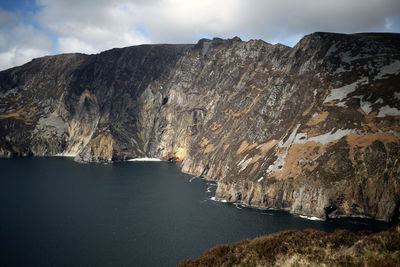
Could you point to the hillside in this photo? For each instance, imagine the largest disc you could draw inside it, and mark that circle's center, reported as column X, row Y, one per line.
column 312, row 129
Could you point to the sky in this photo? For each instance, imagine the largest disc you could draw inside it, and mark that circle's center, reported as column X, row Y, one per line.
column 35, row 28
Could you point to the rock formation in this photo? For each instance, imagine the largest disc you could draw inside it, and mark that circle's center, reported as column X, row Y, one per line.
column 312, row 129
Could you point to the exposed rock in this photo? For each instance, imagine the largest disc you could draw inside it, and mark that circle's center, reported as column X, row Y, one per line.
column 312, row 129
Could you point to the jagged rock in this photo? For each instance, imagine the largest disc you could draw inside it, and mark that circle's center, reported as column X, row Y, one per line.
column 312, row 129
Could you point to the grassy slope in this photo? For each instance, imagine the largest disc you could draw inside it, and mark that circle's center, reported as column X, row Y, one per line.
column 308, row 248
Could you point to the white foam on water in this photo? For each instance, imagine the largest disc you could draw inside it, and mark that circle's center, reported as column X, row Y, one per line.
column 222, row 200
column 238, row 206
column 144, row 159
column 194, row 177
column 65, row 155
column 311, row 218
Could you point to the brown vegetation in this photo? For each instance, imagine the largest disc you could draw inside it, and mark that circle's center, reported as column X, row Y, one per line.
column 308, row 248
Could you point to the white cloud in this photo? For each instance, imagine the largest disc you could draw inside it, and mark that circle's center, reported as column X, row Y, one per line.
column 7, row 18
column 16, row 56
column 71, row 44
column 19, row 42
column 184, row 21
column 91, row 26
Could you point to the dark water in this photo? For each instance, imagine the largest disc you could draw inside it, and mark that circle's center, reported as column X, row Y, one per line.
column 54, row 211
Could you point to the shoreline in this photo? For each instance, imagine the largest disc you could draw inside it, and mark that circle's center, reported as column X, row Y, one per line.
column 146, row 159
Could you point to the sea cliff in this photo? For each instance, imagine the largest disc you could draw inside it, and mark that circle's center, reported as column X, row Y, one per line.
column 312, row 129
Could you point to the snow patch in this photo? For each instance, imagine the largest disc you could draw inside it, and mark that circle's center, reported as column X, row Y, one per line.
column 393, row 68
column 348, row 58
column 342, row 92
column 341, row 104
column 315, row 115
column 332, row 136
column 280, row 161
column 342, row 69
column 388, row 111
column 364, row 105
column 291, row 138
column 396, row 95
column 301, row 138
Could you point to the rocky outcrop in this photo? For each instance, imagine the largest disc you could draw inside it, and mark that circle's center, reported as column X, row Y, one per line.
column 312, row 129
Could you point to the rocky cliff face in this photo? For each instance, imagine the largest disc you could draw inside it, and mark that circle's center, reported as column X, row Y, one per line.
column 312, row 129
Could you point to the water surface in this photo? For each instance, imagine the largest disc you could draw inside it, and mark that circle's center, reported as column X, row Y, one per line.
column 54, row 211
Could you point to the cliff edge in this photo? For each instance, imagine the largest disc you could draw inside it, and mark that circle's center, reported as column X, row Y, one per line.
column 312, row 129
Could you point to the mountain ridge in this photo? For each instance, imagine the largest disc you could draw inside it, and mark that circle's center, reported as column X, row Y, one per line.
column 312, row 129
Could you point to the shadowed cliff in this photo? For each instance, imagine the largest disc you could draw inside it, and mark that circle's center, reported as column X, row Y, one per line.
column 312, row 129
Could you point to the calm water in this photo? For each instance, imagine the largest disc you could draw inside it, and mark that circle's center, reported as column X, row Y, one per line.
column 54, row 211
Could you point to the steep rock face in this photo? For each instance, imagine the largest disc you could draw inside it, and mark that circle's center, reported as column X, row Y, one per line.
column 312, row 129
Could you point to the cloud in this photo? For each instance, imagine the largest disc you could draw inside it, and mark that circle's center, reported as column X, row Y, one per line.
column 19, row 42
column 186, row 21
column 273, row 21
column 103, row 24
column 91, row 26
column 7, row 18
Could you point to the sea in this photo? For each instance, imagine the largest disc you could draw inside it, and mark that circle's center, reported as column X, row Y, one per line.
column 56, row 212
